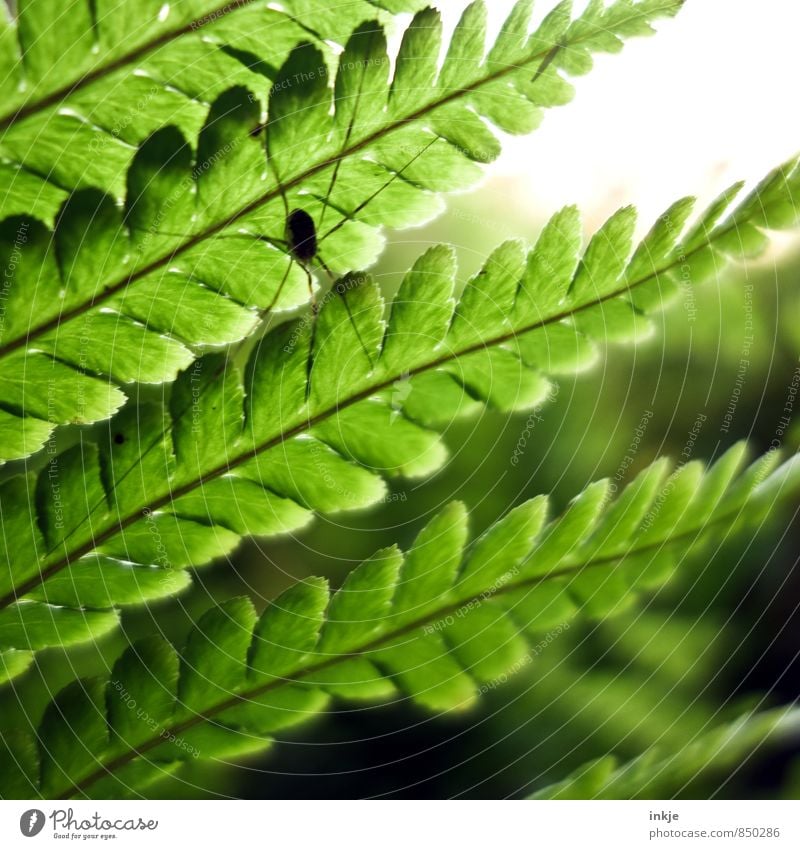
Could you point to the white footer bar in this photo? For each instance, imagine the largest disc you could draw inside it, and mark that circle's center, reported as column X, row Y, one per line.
column 402, row 824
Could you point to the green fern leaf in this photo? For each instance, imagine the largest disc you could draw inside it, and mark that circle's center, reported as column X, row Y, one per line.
column 437, row 625
column 664, row 774
column 14, row 663
column 315, row 424
column 109, row 74
column 108, row 296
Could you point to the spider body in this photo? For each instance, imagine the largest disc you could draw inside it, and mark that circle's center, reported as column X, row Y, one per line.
column 301, row 236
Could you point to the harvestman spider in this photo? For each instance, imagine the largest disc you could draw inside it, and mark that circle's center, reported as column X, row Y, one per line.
column 302, row 240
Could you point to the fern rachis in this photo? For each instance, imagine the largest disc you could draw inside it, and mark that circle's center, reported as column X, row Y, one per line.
column 154, row 245
column 661, row 773
column 105, row 260
column 434, row 624
column 109, row 43
column 171, row 472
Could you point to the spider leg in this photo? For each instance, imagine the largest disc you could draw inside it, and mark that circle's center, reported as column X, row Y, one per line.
column 273, row 168
column 364, row 203
column 347, row 136
column 311, row 295
column 326, row 269
column 313, row 340
column 342, row 291
column 276, row 243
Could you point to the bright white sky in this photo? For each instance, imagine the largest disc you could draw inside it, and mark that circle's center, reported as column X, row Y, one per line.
column 710, row 99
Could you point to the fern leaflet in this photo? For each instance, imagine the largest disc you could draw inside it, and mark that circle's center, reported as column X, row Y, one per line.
column 663, row 774
column 132, row 67
column 304, row 430
column 126, row 294
column 434, row 625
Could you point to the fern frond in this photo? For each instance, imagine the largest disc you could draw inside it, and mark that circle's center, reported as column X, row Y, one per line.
column 435, row 626
column 129, row 294
column 78, row 61
column 665, row 773
column 315, row 422
column 127, row 70
column 648, row 673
